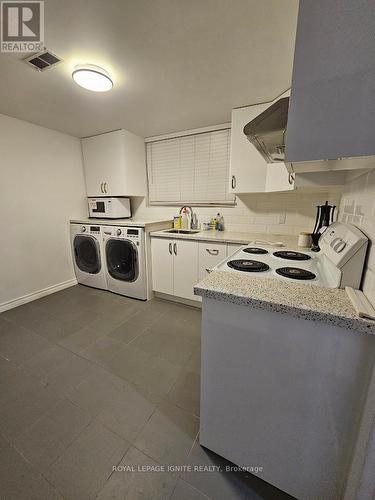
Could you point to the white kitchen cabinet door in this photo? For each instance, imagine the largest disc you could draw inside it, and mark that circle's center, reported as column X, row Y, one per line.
column 185, row 268
column 114, row 164
column 162, row 265
column 248, row 171
column 278, row 178
column 210, row 254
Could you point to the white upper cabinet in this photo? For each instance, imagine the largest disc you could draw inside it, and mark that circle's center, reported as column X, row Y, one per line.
column 249, row 171
column 278, row 178
column 247, row 167
column 114, row 164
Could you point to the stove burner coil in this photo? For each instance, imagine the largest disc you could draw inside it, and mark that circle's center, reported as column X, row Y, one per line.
column 295, row 273
column 289, row 255
column 250, row 266
column 255, row 250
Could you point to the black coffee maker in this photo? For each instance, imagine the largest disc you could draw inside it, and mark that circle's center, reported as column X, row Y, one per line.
column 324, row 217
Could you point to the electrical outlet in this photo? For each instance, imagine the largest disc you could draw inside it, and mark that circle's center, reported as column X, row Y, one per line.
column 282, row 218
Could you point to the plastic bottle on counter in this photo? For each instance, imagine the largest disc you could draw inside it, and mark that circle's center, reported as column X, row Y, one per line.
column 177, row 221
column 206, row 225
column 186, row 219
column 219, row 222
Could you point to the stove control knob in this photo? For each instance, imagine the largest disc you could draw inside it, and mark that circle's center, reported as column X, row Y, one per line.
column 83, row 229
column 338, row 245
column 118, row 232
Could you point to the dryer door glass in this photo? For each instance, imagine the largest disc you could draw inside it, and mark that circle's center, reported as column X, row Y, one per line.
column 122, row 261
column 86, row 253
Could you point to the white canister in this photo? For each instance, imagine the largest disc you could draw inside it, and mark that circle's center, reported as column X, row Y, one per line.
column 304, row 240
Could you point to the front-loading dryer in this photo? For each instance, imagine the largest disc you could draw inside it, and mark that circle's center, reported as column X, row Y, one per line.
column 87, row 250
column 125, row 261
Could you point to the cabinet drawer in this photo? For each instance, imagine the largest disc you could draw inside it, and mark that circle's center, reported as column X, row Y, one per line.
column 210, row 254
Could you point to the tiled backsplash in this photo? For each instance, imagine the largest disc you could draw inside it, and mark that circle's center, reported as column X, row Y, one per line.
column 291, row 213
column 358, row 207
column 277, row 213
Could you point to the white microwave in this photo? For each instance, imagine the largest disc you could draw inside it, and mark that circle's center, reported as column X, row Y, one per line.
column 109, row 208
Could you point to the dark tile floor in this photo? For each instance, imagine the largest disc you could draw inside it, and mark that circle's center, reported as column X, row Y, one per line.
column 90, row 380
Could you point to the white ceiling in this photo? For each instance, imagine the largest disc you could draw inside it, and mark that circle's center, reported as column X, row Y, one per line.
column 176, row 64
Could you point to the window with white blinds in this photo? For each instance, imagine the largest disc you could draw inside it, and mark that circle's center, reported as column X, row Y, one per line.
column 190, row 169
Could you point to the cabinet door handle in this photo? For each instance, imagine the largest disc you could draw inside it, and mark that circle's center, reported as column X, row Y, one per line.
column 175, row 248
column 101, row 187
column 212, row 252
column 170, row 248
column 105, row 187
column 234, row 182
column 291, row 178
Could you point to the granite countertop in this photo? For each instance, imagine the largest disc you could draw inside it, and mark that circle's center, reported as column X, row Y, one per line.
column 230, row 237
column 305, row 301
column 147, row 223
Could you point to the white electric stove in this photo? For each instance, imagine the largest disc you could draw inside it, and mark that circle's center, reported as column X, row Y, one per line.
column 338, row 264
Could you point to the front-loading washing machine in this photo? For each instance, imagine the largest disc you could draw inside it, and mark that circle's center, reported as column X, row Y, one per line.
column 87, row 249
column 125, row 261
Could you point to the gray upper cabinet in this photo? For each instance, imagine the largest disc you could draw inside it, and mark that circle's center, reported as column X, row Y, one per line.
column 332, row 105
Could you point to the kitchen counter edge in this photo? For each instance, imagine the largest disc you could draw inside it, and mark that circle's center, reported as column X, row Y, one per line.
column 327, row 305
column 147, row 224
column 290, row 241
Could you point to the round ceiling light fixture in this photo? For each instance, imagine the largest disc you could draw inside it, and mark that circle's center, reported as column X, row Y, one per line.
column 92, row 77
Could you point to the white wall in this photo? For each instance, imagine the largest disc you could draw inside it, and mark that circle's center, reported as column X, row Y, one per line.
column 358, row 207
column 276, row 213
column 41, row 188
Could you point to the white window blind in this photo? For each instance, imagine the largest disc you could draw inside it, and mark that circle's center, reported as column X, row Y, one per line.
column 190, row 169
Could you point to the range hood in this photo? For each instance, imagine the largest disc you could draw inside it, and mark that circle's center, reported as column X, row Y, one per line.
column 267, row 131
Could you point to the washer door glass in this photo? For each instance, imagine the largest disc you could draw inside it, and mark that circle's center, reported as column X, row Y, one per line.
column 122, row 262
column 87, row 254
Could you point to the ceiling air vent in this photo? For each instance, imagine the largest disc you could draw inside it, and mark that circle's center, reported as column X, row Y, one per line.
column 42, row 60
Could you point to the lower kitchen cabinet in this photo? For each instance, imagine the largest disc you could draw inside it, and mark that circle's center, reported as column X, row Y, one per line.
column 175, row 267
column 178, row 265
column 210, row 254
column 249, row 171
column 162, row 265
column 185, row 268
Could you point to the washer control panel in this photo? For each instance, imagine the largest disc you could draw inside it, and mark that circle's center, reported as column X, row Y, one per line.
column 94, row 230
column 133, row 234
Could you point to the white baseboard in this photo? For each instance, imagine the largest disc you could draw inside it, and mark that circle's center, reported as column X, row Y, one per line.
column 10, row 304
column 180, row 300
